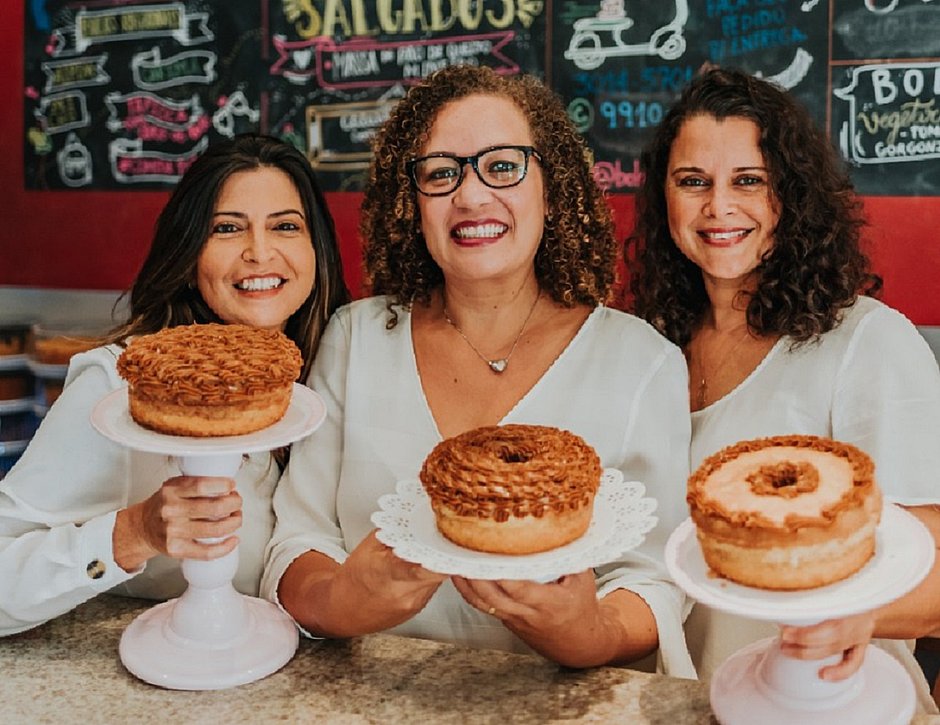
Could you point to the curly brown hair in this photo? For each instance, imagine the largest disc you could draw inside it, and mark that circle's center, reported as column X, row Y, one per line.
column 816, row 267
column 576, row 259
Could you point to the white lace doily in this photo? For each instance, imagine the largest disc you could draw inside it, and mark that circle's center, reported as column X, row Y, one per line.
column 622, row 518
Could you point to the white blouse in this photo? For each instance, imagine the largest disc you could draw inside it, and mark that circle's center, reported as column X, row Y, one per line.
column 873, row 382
column 618, row 384
column 58, row 505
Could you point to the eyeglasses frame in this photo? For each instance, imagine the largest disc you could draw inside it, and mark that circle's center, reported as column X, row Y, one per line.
column 473, row 160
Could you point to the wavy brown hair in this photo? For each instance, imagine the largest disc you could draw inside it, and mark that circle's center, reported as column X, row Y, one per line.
column 576, row 259
column 816, row 267
column 164, row 293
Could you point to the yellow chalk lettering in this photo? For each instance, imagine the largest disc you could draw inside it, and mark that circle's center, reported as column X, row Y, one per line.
column 334, row 12
column 99, row 26
column 389, row 20
column 413, row 13
column 360, row 22
column 506, row 20
column 296, row 11
column 440, row 22
column 471, row 13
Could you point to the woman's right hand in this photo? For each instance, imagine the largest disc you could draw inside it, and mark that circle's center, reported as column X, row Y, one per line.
column 391, row 590
column 370, row 591
column 188, row 517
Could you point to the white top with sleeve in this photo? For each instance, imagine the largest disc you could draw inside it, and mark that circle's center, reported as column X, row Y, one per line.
column 58, row 506
column 873, row 382
column 618, row 384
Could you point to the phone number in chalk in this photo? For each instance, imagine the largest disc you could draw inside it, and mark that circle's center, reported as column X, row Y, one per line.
column 631, row 114
column 651, row 79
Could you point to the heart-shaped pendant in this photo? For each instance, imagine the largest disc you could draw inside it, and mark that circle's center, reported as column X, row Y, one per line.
column 497, row 366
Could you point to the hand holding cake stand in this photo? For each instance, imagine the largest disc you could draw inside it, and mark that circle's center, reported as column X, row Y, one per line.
column 759, row 684
column 211, row 637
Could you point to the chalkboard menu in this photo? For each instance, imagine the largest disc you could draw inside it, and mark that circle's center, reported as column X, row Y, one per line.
column 886, row 94
column 125, row 94
column 620, row 64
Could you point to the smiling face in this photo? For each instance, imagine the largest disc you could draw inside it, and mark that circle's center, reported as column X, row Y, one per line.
column 476, row 232
column 722, row 211
column 257, row 265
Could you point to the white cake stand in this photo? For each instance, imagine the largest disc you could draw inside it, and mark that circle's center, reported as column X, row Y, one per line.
column 211, row 637
column 759, row 684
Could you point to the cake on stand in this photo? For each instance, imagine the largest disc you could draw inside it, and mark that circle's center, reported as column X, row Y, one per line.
column 759, row 684
column 211, row 637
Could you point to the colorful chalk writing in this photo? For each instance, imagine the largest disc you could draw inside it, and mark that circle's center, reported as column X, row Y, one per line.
column 340, row 66
column 624, row 62
column 894, row 114
column 885, row 108
column 126, row 93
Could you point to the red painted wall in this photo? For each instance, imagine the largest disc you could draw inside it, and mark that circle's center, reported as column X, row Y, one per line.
column 97, row 239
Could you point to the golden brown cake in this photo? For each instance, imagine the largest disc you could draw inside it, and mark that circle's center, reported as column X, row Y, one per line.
column 58, row 350
column 209, row 380
column 790, row 512
column 512, row 489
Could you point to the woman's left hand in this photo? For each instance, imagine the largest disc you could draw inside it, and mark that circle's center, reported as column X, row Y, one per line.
column 533, row 607
column 563, row 620
column 848, row 636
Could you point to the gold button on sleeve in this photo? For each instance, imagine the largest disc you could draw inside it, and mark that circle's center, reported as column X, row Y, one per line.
column 95, row 569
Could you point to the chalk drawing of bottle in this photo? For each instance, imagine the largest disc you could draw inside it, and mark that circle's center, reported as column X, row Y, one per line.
column 74, row 162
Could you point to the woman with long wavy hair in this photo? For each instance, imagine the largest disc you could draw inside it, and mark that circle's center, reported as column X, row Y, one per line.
column 245, row 238
column 748, row 255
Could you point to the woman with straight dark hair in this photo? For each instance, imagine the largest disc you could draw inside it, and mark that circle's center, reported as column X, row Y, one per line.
column 245, row 238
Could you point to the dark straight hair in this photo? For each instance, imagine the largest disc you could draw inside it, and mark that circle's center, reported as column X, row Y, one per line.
column 164, row 293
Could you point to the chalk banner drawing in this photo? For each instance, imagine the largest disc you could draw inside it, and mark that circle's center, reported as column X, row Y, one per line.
column 894, row 115
column 127, row 93
column 885, row 94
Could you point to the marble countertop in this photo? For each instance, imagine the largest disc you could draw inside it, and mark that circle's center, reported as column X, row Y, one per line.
column 68, row 671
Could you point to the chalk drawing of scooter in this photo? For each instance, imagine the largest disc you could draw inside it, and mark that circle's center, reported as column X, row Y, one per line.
column 587, row 51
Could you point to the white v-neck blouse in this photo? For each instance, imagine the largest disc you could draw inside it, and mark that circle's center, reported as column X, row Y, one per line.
column 618, row 384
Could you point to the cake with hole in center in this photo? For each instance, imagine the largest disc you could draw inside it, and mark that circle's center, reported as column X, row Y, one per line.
column 788, row 512
column 512, row 489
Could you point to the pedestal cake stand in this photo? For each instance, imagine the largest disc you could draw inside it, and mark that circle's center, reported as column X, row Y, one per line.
column 211, row 637
column 759, row 684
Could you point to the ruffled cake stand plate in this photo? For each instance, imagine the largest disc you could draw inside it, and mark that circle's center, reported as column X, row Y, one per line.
column 759, row 684
column 622, row 517
column 211, row 637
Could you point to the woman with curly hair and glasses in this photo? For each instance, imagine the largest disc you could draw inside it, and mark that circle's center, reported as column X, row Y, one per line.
column 747, row 254
column 491, row 253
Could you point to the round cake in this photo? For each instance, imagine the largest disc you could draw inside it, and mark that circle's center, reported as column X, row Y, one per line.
column 59, row 350
column 209, row 380
column 512, row 489
column 789, row 512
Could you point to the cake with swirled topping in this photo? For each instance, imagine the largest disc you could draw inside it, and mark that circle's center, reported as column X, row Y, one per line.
column 209, row 380
column 512, row 489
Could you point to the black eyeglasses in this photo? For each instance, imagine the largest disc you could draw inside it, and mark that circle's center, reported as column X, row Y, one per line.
column 497, row 166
